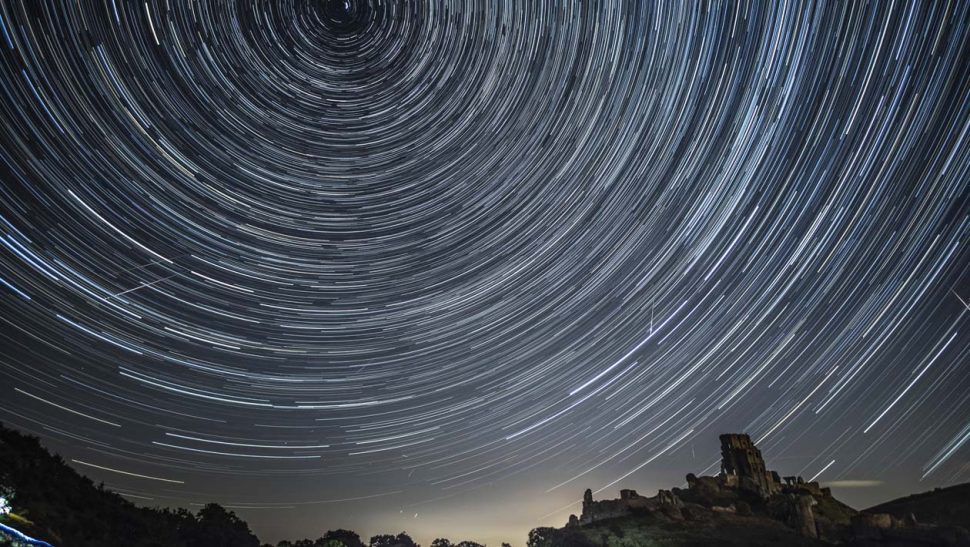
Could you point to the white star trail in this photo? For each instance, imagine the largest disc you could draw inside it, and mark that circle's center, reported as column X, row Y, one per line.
column 430, row 254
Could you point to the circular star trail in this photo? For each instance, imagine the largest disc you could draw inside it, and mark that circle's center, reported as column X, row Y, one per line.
column 317, row 260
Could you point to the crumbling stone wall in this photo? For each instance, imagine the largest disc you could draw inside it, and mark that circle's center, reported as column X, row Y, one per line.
column 627, row 504
column 743, row 465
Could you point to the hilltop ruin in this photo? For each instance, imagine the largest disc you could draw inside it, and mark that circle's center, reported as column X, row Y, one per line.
column 746, row 488
column 743, row 474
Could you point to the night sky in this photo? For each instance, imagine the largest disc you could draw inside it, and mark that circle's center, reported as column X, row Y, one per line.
column 440, row 266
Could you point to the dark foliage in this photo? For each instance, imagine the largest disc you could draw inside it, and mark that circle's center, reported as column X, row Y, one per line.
column 442, row 542
column 554, row 537
column 333, row 538
column 216, row 527
column 68, row 509
column 347, row 537
column 387, row 540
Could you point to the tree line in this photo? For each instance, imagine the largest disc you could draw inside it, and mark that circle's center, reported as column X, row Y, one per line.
column 46, row 499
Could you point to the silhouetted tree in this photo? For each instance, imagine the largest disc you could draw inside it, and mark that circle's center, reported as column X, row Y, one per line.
column 441, row 542
column 469, row 544
column 216, row 527
column 347, row 537
column 382, row 540
column 387, row 540
column 541, row 537
column 552, row 537
column 70, row 509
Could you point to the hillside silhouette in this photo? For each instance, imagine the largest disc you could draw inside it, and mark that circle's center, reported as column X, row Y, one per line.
column 52, row 502
column 746, row 504
column 941, row 506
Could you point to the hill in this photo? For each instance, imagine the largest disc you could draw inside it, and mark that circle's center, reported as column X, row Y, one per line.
column 46, row 499
column 651, row 530
column 943, row 506
column 50, row 501
column 746, row 504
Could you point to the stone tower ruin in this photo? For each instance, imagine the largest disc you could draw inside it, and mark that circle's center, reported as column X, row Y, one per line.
column 742, row 464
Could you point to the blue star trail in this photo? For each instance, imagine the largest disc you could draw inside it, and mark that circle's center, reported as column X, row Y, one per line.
column 439, row 266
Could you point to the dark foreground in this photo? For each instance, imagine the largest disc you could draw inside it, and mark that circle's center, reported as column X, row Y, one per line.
column 45, row 499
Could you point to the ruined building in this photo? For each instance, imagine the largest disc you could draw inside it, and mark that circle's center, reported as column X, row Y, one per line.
column 747, row 489
column 743, row 467
column 629, row 503
column 743, row 471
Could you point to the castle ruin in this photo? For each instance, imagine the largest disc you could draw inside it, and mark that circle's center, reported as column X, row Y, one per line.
column 743, row 467
column 743, row 474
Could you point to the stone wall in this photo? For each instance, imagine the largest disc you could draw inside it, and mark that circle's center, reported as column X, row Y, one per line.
column 742, row 465
column 628, row 503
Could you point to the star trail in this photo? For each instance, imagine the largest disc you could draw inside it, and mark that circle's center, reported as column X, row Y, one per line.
column 439, row 266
